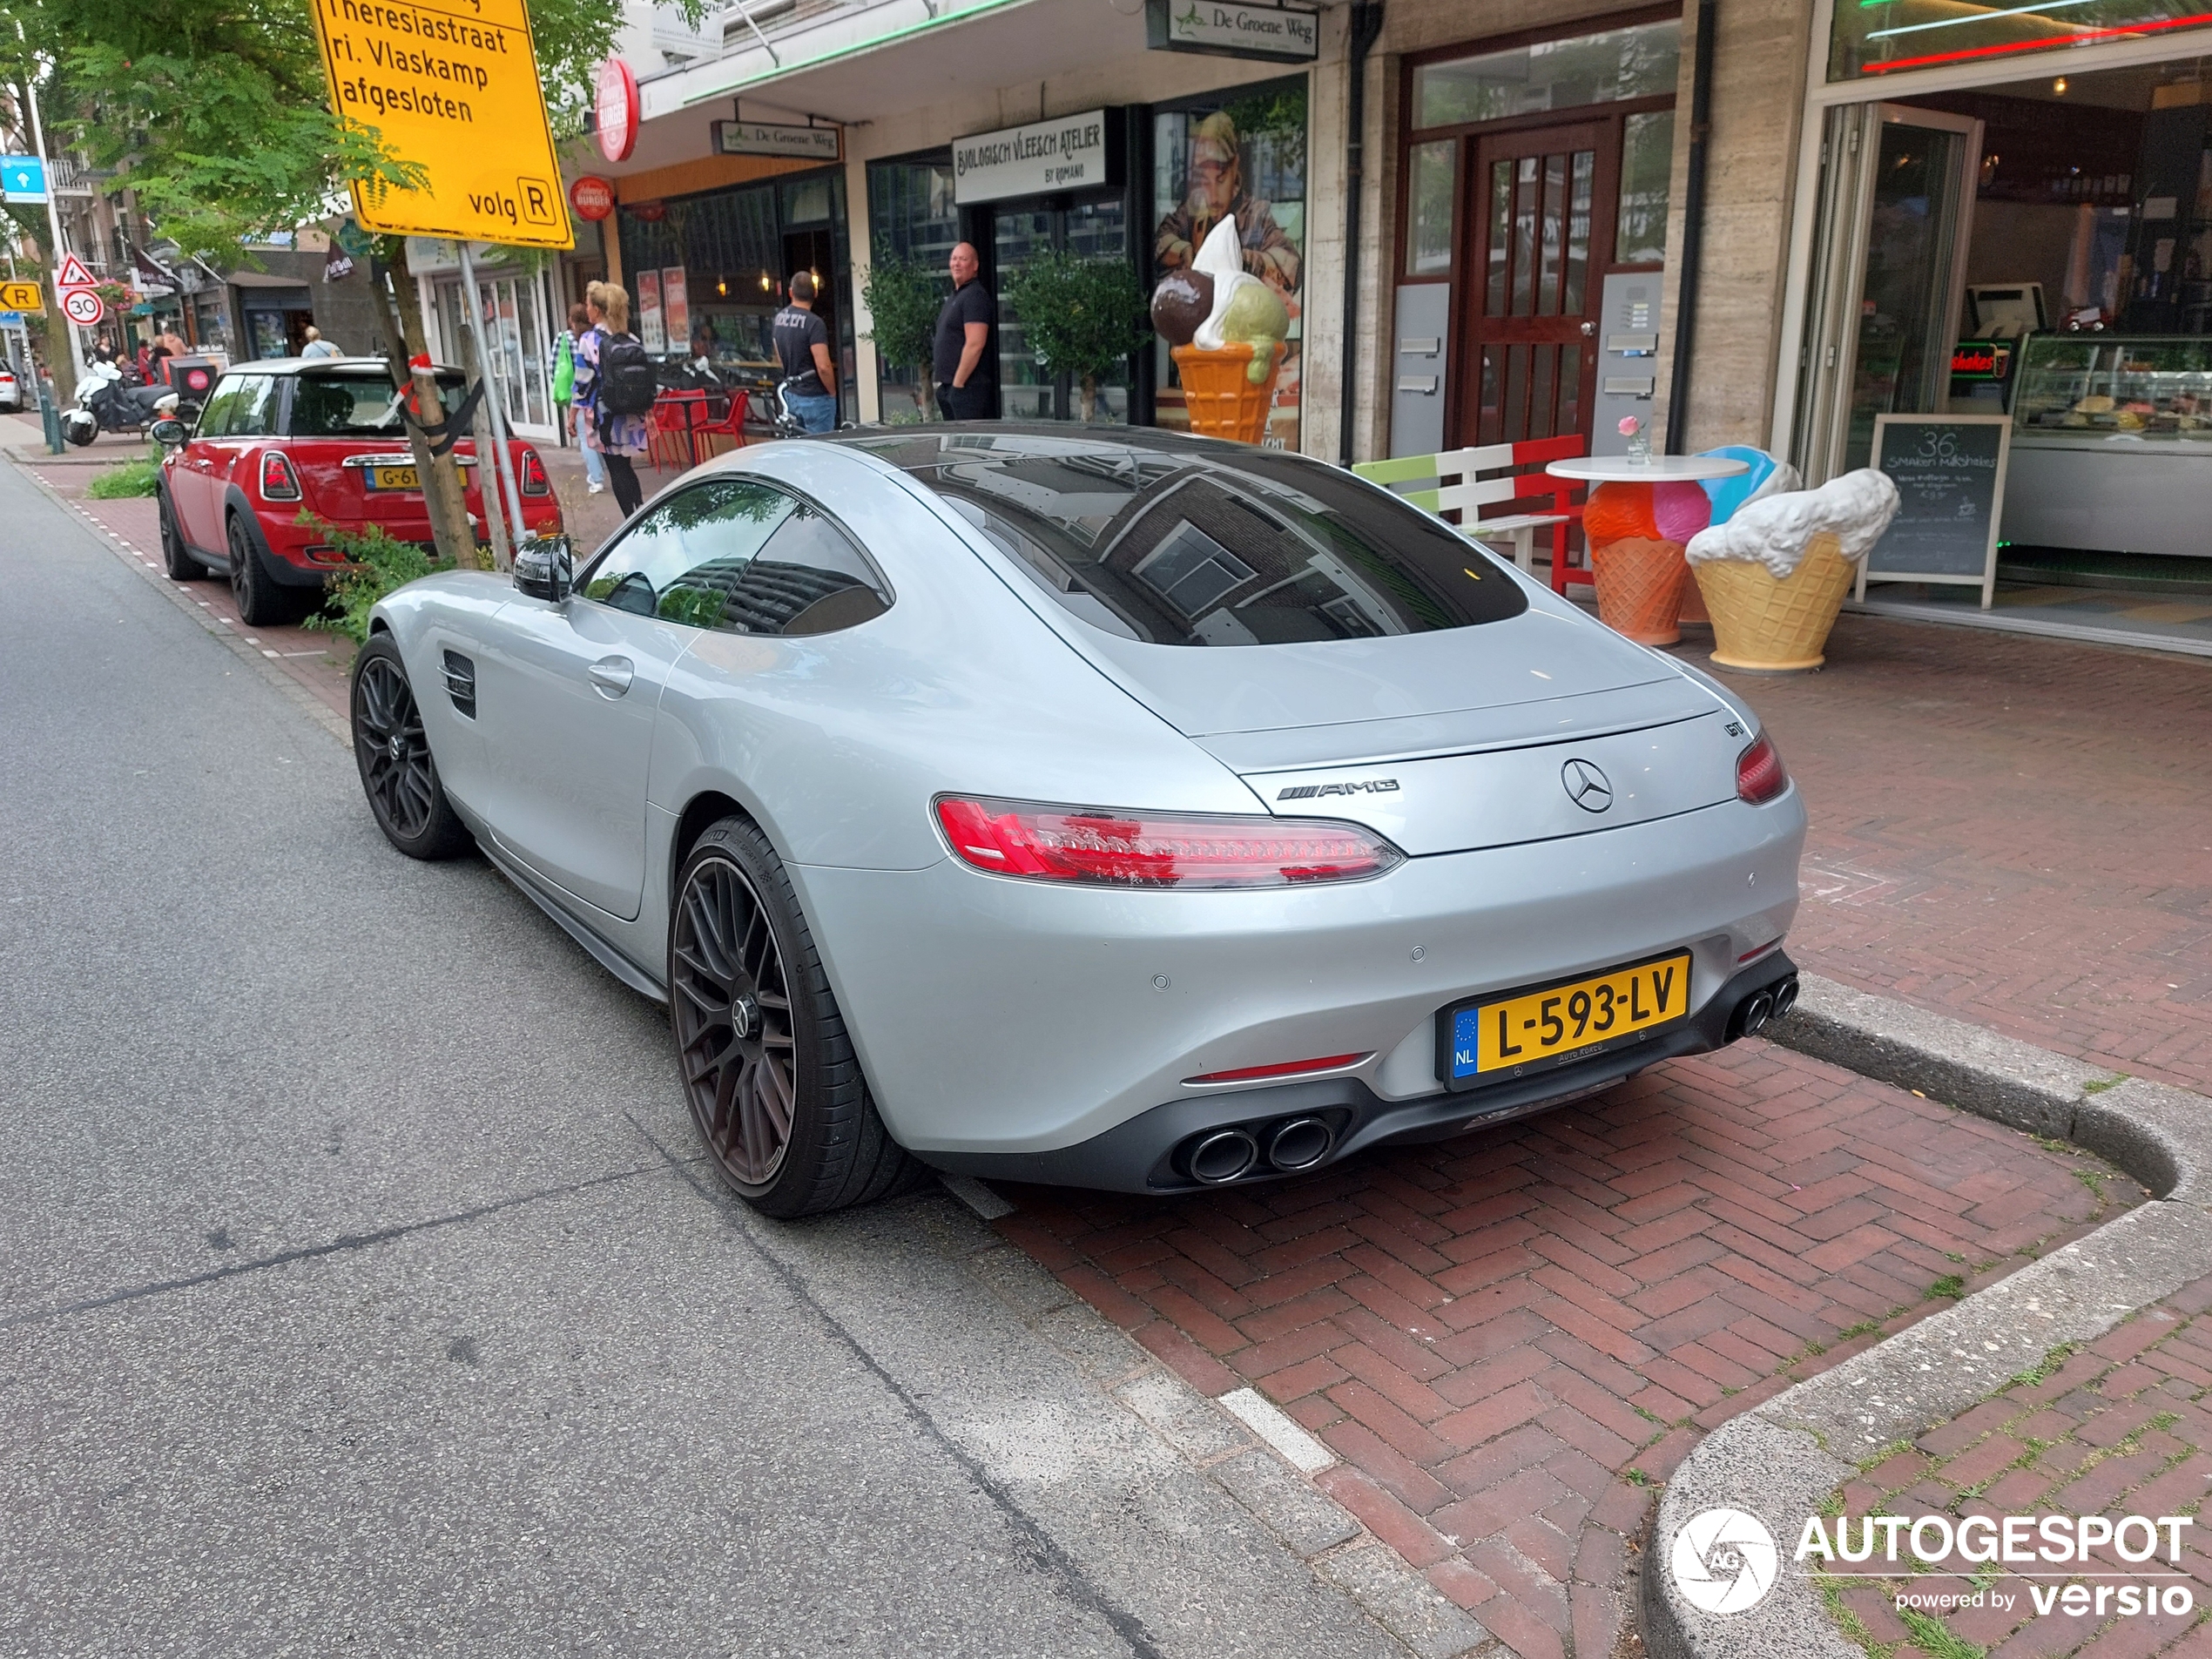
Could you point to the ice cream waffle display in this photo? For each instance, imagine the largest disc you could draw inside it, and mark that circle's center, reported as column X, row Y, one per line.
column 1774, row 571
column 1227, row 332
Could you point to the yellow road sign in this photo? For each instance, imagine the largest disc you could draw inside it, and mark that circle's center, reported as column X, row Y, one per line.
column 22, row 296
column 452, row 85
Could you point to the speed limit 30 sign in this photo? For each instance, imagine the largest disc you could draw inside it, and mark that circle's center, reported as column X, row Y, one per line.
column 83, row 306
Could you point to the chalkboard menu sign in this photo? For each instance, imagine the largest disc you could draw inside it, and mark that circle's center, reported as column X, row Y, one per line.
column 1949, row 470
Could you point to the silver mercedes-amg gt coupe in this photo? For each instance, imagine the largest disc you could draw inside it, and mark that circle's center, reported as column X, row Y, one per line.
column 1096, row 806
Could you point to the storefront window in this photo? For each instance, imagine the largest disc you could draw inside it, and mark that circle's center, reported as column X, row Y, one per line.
column 1433, row 184
column 1647, row 159
column 1638, row 62
column 1882, row 37
column 1240, row 153
column 911, row 217
column 727, row 256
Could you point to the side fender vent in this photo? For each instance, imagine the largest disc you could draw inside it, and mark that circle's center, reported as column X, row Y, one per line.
column 461, row 683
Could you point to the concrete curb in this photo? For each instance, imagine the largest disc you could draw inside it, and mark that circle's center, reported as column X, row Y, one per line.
column 1782, row 1459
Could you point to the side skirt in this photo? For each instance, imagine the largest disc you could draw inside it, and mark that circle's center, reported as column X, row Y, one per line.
column 601, row 951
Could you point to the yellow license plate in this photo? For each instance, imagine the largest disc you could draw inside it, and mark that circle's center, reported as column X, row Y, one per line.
column 1561, row 1022
column 393, row 478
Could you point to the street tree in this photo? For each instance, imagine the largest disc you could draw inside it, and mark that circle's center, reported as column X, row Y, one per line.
column 216, row 115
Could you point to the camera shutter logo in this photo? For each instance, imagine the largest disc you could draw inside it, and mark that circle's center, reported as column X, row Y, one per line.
column 1724, row 1561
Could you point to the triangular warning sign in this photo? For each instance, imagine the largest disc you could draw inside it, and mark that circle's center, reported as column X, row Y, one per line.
column 73, row 273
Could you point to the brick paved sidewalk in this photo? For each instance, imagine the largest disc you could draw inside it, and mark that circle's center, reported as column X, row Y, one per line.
column 2122, row 1427
column 1507, row 1337
column 2010, row 831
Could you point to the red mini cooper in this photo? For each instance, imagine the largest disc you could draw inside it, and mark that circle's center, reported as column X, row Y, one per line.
column 319, row 434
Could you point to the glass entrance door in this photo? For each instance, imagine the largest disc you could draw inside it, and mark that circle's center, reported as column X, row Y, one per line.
column 1896, row 207
column 1094, row 229
column 1530, row 350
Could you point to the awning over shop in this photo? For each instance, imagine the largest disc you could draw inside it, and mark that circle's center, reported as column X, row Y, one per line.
column 867, row 63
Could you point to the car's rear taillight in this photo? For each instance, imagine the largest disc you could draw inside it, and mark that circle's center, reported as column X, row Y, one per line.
column 533, row 475
column 1759, row 774
column 1157, row 849
column 278, row 481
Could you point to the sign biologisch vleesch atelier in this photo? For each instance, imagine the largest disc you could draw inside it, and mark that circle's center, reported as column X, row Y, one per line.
column 455, row 91
column 1074, row 152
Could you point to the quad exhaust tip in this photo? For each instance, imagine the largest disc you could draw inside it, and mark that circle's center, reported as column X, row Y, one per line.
column 1756, row 1012
column 1299, row 1144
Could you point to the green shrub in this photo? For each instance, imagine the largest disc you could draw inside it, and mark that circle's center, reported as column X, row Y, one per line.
column 1080, row 316
column 132, row 478
column 379, row 563
column 903, row 299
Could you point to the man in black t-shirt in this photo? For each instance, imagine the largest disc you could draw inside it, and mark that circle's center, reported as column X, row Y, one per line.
column 802, row 347
column 965, row 363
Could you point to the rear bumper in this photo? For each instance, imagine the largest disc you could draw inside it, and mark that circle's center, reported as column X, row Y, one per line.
column 1152, row 1152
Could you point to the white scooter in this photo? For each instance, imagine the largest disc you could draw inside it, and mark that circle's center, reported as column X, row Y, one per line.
column 104, row 404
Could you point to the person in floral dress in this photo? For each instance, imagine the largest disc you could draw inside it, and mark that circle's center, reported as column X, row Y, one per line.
column 618, row 438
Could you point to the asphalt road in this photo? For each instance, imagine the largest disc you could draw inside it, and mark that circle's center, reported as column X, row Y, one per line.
column 359, row 1285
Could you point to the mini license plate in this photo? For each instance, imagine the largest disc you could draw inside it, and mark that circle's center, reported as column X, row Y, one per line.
column 393, row 478
column 1502, row 1036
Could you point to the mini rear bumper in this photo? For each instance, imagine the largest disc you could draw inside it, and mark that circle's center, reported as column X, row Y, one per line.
column 1311, row 1125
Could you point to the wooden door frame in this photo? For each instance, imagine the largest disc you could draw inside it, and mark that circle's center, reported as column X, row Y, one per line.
column 1465, row 135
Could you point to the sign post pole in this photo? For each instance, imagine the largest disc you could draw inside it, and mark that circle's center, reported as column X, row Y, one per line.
column 49, row 416
column 494, row 405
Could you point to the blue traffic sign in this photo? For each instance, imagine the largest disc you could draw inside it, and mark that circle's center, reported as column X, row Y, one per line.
column 22, row 178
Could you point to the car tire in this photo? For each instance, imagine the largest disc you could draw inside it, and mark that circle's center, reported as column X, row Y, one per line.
column 176, row 561
column 260, row 602
column 399, row 773
column 770, row 1073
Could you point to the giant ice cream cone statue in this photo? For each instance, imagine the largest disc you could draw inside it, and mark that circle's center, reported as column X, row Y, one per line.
column 1774, row 574
column 1225, row 329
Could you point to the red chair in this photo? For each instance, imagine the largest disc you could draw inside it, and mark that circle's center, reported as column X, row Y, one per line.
column 670, row 427
column 731, row 426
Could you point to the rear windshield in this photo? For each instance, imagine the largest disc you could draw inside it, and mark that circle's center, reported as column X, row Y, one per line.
column 1181, row 544
column 356, row 405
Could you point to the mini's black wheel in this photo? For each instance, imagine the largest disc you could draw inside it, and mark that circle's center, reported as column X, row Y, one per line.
column 399, row 773
column 176, row 563
column 769, row 1070
column 259, row 603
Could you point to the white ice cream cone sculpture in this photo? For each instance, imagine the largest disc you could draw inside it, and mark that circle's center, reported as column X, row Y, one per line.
column 1775, row 574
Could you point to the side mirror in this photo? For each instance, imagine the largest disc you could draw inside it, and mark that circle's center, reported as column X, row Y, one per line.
column 168, row 434
column 543, row 569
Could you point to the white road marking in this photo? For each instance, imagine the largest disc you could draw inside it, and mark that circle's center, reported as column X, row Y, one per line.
column 1268, row 1420
column 977, row 1196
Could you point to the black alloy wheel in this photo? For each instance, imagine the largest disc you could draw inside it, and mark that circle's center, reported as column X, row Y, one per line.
column 399, row 773
column 259, row 604
column 769, row 1071
column 176, row 563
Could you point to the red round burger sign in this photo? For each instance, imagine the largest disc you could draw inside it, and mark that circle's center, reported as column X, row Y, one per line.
column 592, row 197
column 617, row 110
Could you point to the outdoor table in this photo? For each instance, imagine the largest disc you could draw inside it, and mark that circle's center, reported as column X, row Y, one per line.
column 1637, row 517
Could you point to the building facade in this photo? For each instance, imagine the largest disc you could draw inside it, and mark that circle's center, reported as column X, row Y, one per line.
column 1903, row 206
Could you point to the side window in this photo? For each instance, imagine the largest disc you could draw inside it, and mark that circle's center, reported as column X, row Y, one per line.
column 809, row 579
column 681, row 560
column 742, row 557
column 254, row 415
column 215, row 418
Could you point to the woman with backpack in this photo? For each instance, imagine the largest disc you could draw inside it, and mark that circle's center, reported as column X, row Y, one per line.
column 563, row 359
column 615, row 385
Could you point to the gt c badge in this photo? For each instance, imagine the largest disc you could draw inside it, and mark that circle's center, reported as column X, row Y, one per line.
column 1364, row 786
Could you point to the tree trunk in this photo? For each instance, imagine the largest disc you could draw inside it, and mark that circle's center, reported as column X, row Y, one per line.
column 472, row 365
column 441, row 487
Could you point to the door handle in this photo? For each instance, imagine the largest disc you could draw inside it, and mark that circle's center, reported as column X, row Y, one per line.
column 1589, row 331
column 610, row 676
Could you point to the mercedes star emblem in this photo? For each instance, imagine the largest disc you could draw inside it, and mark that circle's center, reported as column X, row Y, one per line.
column 1585, row 785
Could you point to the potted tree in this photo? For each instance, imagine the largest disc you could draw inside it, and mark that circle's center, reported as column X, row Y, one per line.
column 1080, row 316
column 903, row 299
